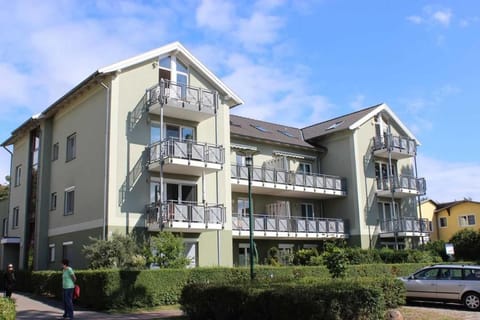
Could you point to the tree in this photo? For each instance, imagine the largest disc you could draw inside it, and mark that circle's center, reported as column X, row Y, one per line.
column 168, row 251
column 466, row 243
column 121, row 251
column 4, row 192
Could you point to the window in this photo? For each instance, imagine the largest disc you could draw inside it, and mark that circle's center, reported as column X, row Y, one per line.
column 55, row 149
column 382, row 175
column 69, row 201
column 286, row 133
column 442, row 222
column 333, row 126
column 304, row 167
column 307, row 210
column 18, row 175
column 468, row 220
column 51, row 253
column 53, row 201
column 67, row 251
column 71, row 147
column 260, row 128
column 5, row 227
column 242, row 207
column 16, row 212
column 385, row 212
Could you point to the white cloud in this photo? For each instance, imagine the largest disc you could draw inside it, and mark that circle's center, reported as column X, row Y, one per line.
column 448, row 181
column 443, row 17
column 415, row 19
column 13, row 85
column 217, row 15
column 258, row 30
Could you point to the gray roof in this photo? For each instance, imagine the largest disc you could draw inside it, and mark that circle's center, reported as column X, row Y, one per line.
column 261, row 130
column 335, row 124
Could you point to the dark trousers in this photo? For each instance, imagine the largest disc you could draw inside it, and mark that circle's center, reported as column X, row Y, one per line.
column 8, row 292
column 68, row 303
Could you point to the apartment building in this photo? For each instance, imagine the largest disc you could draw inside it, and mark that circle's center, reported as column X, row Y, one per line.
column 148, row 144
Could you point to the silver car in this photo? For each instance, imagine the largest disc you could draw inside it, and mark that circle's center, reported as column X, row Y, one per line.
column 447, row 283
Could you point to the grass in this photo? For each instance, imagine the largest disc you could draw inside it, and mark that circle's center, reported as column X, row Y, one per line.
column 415, row 313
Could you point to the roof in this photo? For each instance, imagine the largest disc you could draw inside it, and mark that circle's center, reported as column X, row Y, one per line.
column 186, row 56
column 175, row 47
column 261, row 130
column 448, row 205
column 352, row 121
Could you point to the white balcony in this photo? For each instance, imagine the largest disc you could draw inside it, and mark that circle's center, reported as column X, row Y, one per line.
column 181, row 101
column 395, row 146
column 185, row 217
column 405, row 227
column 401, row 187
column 274, row 227
column 185, row 157
column 287, row 184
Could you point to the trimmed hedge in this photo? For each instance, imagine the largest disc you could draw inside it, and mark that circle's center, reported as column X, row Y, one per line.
column 116, row 289
column 7, row 309
column 334, row 299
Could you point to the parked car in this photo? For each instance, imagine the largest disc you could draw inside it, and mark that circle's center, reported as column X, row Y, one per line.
column 446, row 283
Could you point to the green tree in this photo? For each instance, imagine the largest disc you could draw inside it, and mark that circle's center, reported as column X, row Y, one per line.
column 466, row 243
column 168, row 251
column 121, row 251
column 336, row 261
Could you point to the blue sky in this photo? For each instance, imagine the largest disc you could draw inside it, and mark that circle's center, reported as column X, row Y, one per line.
column 292, row 62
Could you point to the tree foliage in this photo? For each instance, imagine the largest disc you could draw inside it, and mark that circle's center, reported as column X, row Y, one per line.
column 466, row 243
column 168, row 251
column 4, row 192
column 121, row 251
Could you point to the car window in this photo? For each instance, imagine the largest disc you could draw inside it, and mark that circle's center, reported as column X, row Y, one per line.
column 428, row 274
column 472, row 274
column 450, row 274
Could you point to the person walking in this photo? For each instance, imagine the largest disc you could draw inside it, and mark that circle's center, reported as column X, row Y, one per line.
column 68, row 284
column 9, row 281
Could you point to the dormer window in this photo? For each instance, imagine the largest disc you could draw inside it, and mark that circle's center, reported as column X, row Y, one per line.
column 333, row 126
column 260, row 128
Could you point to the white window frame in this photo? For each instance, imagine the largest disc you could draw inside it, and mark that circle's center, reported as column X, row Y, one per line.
column 304, row 165
column 53, row 201
column 55, row 151
column 383, row 214
column 5, row 227
column 18, row 175
column 51, row 252
column 69, row 211
column 245, row 209
column 71, row 149
column 307, row 205
column 15, row 217
column 463, row 220
column 440, row 219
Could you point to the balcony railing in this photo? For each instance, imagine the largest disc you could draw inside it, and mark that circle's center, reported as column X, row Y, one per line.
column 277, row 176
column 182, row 96
column 292, row 225
column 174, row 214
column 405, row 225
column 403, row 184
column 397, row 145
column 186, row 149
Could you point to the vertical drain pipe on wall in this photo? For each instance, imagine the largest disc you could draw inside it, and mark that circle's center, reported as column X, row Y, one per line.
column 106, row 163
column 216, row 173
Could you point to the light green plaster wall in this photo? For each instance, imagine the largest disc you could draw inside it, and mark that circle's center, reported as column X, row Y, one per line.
column 18, row 194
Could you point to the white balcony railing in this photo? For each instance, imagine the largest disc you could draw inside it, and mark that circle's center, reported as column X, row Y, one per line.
column 277, row 176
column 402, row 183
column 405, row 225
column 292, row 225
column 186, row 149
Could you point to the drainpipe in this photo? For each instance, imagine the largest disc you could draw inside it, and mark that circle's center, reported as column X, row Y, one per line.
column 419, row 202
column 106, row 162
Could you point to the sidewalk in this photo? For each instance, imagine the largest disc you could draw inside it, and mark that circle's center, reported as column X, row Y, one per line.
column 33, row 307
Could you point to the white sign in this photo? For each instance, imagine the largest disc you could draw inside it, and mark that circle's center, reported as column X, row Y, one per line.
column 449, row 249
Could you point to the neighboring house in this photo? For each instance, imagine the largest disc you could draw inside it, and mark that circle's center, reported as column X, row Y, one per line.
column 148, row 144
column 451, row 217
column 426, row 210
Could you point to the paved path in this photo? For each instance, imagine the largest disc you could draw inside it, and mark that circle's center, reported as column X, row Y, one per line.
column 33, row 307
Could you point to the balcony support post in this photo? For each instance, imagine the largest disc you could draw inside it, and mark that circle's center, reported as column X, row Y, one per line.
column 249, row 164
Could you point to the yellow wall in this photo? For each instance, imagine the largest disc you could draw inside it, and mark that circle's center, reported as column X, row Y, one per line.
column 427, row 211
column 452, row 216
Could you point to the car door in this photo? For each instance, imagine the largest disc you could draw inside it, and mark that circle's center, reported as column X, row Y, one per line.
column 450, row 284
column 423, row 284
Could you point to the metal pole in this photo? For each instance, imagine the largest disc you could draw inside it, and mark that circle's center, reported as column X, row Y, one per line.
column 248, row 161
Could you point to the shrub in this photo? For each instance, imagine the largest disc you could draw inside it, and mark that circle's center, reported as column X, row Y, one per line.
column 7, row 309
column 336, row 262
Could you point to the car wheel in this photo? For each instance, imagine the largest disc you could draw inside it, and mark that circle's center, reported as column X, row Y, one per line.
column 471, row 300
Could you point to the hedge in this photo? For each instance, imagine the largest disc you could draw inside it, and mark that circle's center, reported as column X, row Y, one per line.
column 7, row 309
column 116, row 289
column 333, row 299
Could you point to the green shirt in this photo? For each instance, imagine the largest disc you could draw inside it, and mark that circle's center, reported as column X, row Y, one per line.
column 67, row 278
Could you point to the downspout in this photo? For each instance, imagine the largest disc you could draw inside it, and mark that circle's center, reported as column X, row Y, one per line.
column 216, row 174
column 106, row 162
column 419, row 204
